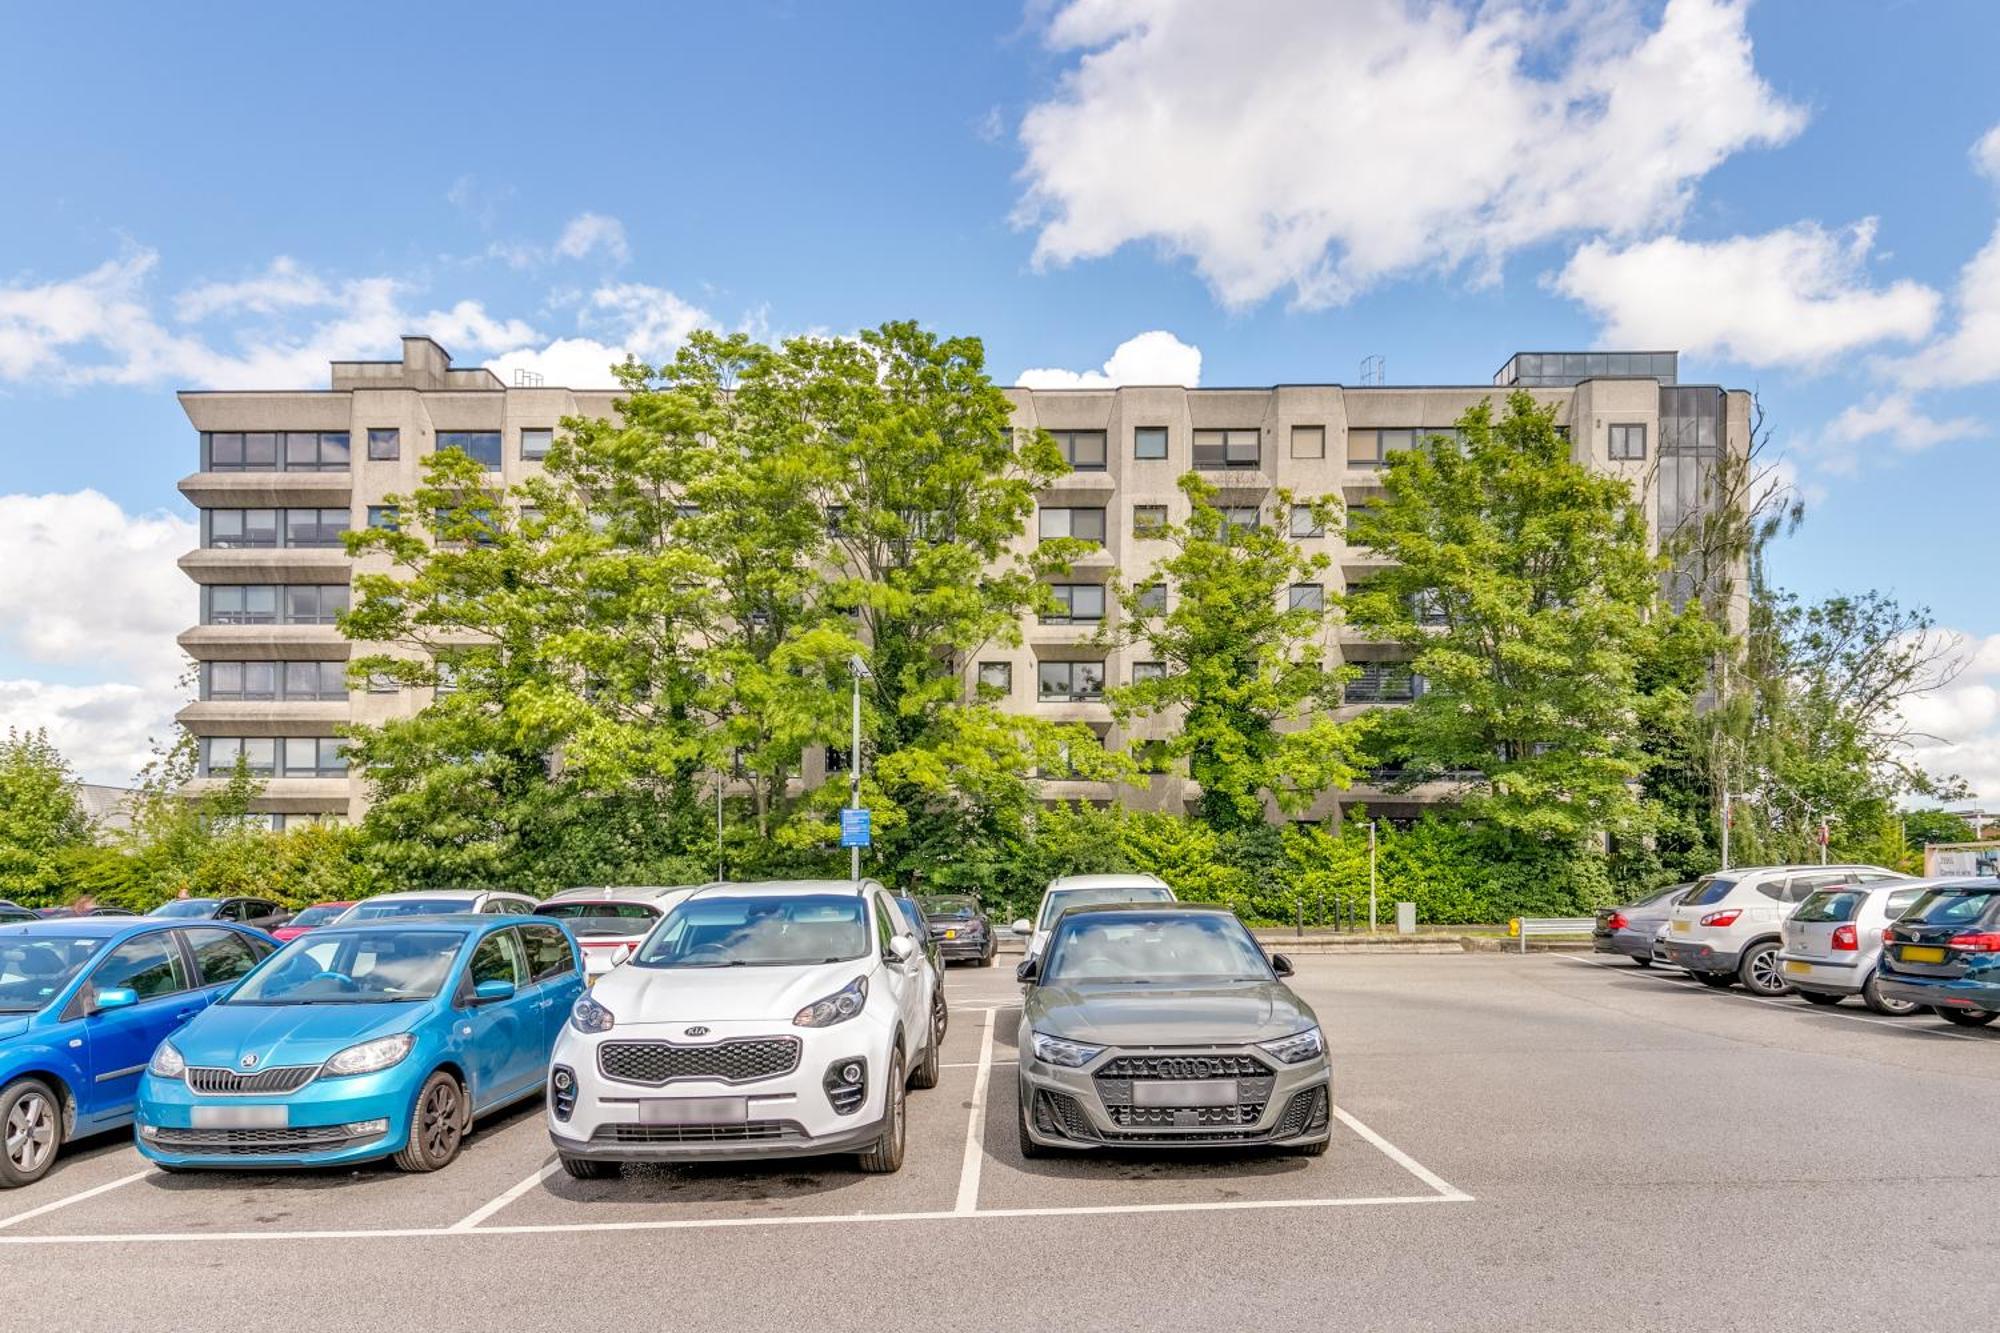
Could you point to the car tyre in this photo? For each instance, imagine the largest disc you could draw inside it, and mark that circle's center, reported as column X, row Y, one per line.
column 1759, row 971
column 31, row 1121
column 1965, row 1018
column 438, row 1123
column 1818, row 997
column 886, row 1156
column 1872, row 996
column 1642, row 962
column 586, row 1168
column 940, row 1014
column 925, row 1075
column 1029, row 1148
column 1716, row 980
column 1314, row 1149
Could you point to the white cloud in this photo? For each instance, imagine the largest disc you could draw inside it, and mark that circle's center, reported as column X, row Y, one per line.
column 282, row 286
column 1796, row 296
column 87, row 589
column 1970, row 353
column 1153, row 357
column 632, row 319
column 1892, row 417
column 1986, row 154
column 1957, row 729
column 573, row 363
column 589, row 232
column 1379, row 137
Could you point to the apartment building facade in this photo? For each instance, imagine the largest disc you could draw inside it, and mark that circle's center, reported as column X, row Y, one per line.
column 283, row 473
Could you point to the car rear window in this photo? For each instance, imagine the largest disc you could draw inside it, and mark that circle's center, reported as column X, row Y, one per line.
column 1708, row 891
column 1832, row 905
column 1950, row 907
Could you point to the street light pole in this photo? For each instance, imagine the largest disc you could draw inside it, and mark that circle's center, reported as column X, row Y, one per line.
column 1371, row 877
column 858, row 673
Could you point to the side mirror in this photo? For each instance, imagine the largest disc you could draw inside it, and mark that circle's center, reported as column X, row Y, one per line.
column 1024, row 927
column 903, row 947
column 113, row 997
column 1281, row 965
column 1029, row 970
column 491, row 992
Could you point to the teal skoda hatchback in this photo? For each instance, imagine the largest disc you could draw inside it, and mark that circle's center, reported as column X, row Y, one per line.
column 376, row 1039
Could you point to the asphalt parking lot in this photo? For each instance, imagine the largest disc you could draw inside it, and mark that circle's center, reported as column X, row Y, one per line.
column 1538, row 1142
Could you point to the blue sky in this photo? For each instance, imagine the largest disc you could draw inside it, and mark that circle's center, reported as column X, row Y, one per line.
column 1796, row 194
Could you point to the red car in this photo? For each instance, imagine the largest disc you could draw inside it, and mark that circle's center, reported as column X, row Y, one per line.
column 319, row 914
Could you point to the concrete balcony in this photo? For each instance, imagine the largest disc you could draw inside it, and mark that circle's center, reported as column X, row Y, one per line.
column 268, row 490
column 252, row 643
column 1041, row 636
column 289, row 795
column 263, row 717
column 1078, row 488
column 293, row 564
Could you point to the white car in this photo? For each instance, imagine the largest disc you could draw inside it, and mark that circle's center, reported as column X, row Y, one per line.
column 757, row 1020
column 1726, row 928
column 611, row 923
column 437, row 902
column 1085, row 890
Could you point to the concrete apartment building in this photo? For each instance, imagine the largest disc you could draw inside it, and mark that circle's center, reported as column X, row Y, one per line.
column 283, row 473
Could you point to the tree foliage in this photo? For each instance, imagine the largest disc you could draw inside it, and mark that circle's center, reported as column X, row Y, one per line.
column 41, row 815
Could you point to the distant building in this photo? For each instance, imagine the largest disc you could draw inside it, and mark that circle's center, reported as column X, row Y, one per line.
column 110, row 808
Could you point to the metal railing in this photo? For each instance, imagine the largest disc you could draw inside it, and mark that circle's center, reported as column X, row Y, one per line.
column 1553, row 925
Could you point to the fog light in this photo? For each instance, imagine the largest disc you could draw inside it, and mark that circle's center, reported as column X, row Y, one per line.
column 846, row 1085
column 562, row 1092
column 850, row 1073
column 361, row 1129
column 564, row 1080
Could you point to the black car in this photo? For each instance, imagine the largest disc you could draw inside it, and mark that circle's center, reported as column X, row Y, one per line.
column 961, row 928
column 256, row 913
column 1943, row 952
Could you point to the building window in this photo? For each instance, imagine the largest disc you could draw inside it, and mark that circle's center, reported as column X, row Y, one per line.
column 481, row 446
column 220, row 753
column 241, row 604
column 836, row 519
column 1076, row 604
column 315, row 451
column 1306, row 597
column 1239, row 518
column 1227, row 448
column 385, row 446
column 1149, row 599
column 1383, row 683
column 1144, row 671
column 1355, row 511
column 1083, row 450
column 535, row 442
column 1071, row 682
column 314, row 603
column 383, row 517
column 1427, row 607
column 998, row 676
column 1305, row 523
column 1149, row 444
column 263, row 681
column 381, row 682
column 1627, row 443
column 1083, row 524
column 315, row 680
column 1149, row 520
column 1364, row 448
column 271, row 451
column 1308, row 442
column 314, row 527
column 242, row 528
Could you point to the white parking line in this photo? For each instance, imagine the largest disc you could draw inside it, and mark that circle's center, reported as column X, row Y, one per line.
column 975, row 1122
column 78, row 1197
column 1445, row 1189
column 1912, row 1024
column 474, row 1218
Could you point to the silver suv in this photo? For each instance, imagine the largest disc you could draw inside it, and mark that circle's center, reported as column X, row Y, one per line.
column 1834, row 941
column 1726, row 928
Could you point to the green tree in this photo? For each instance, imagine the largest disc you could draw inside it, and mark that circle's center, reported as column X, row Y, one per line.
column 1246, row 670
column 41, row 816
column 1520, row 583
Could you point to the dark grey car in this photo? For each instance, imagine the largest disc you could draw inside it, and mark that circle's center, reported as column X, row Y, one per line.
column 1630, row 929
column 1163, row 1025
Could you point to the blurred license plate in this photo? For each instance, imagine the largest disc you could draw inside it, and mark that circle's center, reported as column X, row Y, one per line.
column 1682, row 926
column 1205, row 1092
column 951, row 934
column 694, row 1110
column 1794, row 965
column 1921, row 953
column 241, row 1117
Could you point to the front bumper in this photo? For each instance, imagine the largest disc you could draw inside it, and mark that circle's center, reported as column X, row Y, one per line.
column 791, row 1114
column 1698, row 956
column 1074, row 1108
column 327, row 1122
column 963, row 948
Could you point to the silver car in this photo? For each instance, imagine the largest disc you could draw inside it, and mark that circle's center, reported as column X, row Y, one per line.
column 1834, row 940
column 1163, row 1025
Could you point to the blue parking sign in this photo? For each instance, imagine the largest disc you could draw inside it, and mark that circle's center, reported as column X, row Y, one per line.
column 854, row 828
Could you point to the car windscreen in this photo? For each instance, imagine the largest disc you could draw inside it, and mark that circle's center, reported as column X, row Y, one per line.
column 759, row 932
column 354, row 967
column 599, row 918
column 1707, row 890
column 318, row 914
column 1831, row 905
column 1060, row 900
column 382, row 911
column 950, row 909
column 1949, row 907
column 1148, row 947
column 186, row 907
column 34, row 969
column 1660, row 898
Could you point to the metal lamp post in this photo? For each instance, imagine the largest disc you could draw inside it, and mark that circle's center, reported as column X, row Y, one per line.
column 858, row 672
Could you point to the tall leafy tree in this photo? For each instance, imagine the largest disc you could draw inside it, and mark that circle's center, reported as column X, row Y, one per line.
column 41, row 812
column 1521, row 583
column 1246, row 664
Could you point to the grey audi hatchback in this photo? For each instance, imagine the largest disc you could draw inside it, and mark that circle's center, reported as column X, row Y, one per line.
column 1163, row 1025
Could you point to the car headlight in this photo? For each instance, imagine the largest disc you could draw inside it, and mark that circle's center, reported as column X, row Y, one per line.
column 587, row 1015
column 838, row 1007
column 1297, row 1048
column 167, row 1062
column 370, row 1056
column 1069, row 1054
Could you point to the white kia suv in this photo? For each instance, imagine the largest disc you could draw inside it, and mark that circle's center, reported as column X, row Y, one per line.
column 757, row 1020
column 1726, row 928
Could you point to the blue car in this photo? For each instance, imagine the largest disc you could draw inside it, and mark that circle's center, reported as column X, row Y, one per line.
column 83, row 1003
column 364, row 1040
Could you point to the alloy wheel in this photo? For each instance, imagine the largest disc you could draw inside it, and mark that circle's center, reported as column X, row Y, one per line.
column 31, row 1132
column 441, row 1126
column 1766, row 977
